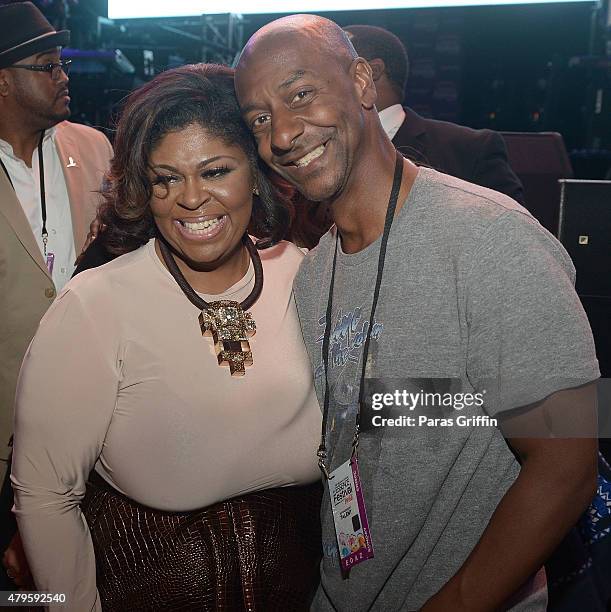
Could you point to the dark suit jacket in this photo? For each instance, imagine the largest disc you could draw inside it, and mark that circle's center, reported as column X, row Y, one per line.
column 477, row 156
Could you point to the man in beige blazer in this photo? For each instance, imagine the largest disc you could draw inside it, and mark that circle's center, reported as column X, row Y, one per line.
column 34, row 106
column 26, row 287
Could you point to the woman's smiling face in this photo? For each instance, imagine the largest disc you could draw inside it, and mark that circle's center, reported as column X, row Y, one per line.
column 202, row 195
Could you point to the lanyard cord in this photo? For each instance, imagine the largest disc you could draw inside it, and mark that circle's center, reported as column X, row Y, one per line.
column 390, row 213
column 8, row 176
column 43, row 201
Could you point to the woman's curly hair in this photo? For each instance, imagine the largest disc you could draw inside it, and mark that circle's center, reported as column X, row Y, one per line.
column 200, row 94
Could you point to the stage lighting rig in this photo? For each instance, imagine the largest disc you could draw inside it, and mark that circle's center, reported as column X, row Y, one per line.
column 207, row 38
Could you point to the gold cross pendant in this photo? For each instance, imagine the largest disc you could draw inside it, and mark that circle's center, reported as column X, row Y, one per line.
column 230, row 328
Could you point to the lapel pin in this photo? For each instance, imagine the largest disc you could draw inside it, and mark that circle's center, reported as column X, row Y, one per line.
column 71, row 163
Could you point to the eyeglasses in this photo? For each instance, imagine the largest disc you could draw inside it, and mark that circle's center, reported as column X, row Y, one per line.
column 53, row 68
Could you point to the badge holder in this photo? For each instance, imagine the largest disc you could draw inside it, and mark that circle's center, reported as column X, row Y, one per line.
column 349, row 513
column 50, row 261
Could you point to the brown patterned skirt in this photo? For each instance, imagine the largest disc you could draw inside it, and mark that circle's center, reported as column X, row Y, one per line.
column 258, row 552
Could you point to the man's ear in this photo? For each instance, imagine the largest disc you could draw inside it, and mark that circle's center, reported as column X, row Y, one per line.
column 4, row 82
column 363, row 78
column 377, row 68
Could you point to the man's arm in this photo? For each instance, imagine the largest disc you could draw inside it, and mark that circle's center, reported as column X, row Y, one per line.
column 556, row 482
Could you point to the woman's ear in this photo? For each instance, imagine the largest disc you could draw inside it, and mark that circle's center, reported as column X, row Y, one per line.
column 362, row 74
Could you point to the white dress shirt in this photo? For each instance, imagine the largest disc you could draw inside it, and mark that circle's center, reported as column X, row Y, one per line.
column 392, row 119
column 26, row 182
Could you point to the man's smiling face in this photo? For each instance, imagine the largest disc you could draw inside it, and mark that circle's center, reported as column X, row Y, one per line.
column 304, row 106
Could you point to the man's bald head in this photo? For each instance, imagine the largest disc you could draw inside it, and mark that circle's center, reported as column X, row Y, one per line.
column 321, row 35
column 309, row 100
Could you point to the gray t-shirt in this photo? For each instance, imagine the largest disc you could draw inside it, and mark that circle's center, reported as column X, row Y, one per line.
column 475, row 295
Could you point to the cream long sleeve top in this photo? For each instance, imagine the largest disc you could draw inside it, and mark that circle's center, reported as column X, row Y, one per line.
column 119, row 378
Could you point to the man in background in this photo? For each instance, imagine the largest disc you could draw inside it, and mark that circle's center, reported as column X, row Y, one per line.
column 50, row 175
column 477, row 156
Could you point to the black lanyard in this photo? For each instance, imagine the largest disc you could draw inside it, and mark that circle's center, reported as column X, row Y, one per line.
column 43, row 201
column 390, row 213
column 8, row 176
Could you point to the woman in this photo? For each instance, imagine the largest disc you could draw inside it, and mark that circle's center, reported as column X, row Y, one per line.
column 204, row 493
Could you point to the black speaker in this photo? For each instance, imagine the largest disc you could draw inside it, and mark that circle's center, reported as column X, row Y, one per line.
column 598, row 310
column 584, row 229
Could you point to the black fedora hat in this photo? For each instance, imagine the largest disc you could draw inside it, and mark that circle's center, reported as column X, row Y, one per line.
column 24, row 31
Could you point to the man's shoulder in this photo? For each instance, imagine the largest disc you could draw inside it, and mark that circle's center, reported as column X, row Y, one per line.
column 69, row 127
column 456, row 215
column 313, row 262
column 444, row 195
column 322, row 250
column 80, row 131
column 457, row 134
column 465, row 220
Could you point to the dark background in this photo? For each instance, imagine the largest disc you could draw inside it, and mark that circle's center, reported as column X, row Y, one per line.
column 510, row 68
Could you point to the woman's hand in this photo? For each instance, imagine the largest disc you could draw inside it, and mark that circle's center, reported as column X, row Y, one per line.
column 16, row 564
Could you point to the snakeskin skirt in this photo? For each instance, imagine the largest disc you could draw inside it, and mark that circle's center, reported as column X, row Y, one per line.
column 258, row 553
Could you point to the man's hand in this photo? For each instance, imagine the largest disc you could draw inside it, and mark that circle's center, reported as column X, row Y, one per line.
column 16, row 564
column 96, row 227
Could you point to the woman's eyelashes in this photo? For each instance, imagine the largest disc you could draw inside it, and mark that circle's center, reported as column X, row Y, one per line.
column 208, row 173
column 164, row 179
column 218, row 171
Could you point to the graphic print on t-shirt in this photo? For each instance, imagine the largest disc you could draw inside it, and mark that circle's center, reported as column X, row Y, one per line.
column 348, row 336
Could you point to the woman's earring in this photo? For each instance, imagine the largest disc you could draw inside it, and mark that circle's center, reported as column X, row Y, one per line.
column 255, row 191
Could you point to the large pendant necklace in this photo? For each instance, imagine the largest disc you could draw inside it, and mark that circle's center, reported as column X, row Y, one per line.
column 225, row 320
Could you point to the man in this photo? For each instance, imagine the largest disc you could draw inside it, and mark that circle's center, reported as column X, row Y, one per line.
column 477, row 156
column 50, row 176
column 470, row 295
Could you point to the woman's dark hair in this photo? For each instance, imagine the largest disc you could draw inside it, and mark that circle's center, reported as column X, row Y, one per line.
column 195, row 94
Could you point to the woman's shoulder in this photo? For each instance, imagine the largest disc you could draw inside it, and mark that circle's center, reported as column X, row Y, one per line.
column 283, row 253
column 281, row 262
column 109, row 276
